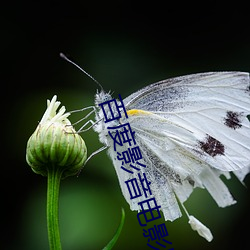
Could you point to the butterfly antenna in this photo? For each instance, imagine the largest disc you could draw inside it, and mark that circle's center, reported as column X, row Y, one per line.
column 86, row 73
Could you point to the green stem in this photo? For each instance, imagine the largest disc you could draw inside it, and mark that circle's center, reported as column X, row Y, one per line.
column 54, row 177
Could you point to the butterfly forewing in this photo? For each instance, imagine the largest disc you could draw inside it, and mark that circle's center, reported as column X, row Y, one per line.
column 211, row 107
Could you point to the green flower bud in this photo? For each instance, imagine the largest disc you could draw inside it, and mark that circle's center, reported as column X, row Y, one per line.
column 55, row 144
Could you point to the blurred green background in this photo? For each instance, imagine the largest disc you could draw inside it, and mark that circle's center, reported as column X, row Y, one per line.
column 125, row 47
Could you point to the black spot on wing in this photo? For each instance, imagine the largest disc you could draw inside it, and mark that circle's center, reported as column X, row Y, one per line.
column 212, row 146
column 233, row 119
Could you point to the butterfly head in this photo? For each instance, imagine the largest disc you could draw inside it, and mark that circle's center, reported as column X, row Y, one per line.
column 101, row 97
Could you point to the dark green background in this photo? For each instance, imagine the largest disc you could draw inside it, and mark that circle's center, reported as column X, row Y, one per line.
column 125, row 47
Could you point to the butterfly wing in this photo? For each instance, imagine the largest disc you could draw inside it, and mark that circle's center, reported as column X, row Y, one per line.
column 212, row 106
column 190, row 130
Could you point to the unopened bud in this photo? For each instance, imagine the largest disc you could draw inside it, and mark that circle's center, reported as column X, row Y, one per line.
column 55, row 143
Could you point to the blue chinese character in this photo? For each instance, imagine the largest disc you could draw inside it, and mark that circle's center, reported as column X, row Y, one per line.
column 157, row 233
column 134, row 189
column 123, row 134
column 132, row 166
column 132, row 154
column 151, row 206
column 111, row 110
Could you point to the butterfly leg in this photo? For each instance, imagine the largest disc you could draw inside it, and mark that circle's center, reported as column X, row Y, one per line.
column 81, row 129
column 83, row 109
column 91, row 155
column 85, row 117
column 95, row 152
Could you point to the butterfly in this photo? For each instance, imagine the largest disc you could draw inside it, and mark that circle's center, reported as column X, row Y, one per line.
column 190, row 130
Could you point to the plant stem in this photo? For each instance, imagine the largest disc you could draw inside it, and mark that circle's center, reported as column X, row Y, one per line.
column 54, row 177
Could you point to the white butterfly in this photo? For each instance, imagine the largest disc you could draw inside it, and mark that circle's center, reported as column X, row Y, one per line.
column 190, row 130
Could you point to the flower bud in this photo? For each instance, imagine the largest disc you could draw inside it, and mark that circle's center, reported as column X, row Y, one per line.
column 55, row 144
